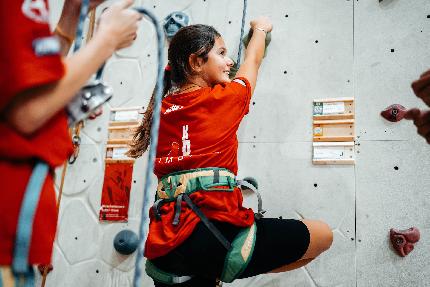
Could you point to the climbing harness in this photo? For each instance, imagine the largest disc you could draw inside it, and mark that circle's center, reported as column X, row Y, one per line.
column 22, row 271
column 177, row 187
column 137, row 280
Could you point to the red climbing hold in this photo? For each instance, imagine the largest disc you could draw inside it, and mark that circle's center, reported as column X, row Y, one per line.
column 403, row 241
column 394, row 113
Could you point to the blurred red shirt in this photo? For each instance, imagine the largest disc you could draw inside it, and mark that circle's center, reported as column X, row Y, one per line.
column 22, row 25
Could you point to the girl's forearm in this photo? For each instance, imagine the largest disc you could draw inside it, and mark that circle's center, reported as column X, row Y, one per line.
column 256, row 47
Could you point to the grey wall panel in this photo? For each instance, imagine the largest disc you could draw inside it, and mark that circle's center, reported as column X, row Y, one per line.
column 389, row 198
column 383, row 77
column 287, row 182
column 297, row 69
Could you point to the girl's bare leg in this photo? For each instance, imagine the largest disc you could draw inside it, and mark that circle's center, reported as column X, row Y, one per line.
column 321, row 238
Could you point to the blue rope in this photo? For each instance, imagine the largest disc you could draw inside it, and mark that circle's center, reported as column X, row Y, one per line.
column 152, row 150
column 80, row 29
column 239, row 53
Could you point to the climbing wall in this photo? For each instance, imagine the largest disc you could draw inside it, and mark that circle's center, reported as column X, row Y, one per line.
column 367, row 49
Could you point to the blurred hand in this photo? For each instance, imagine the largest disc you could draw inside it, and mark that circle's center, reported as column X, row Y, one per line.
column 421, row 121
column 262, row 22
column 119, row 24
column 421, row 87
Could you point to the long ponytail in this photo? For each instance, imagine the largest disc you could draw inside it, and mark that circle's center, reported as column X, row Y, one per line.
column 142, row 135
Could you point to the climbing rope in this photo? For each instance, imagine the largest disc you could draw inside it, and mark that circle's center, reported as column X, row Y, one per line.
column 80, row 29
column 242, row 31
column 152, row 149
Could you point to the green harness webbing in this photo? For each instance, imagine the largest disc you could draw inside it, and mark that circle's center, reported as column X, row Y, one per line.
column 177, row 187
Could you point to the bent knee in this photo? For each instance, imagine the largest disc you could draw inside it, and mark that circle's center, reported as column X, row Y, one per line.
column 326, row 236
column 321, row 237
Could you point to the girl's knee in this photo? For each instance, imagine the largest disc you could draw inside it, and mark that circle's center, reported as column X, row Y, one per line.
column 326, row 235
column 321, row 237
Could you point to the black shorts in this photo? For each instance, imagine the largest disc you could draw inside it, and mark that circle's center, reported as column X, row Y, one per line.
column 279, row 242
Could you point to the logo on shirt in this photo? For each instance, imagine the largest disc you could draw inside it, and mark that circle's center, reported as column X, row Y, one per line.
column 172, row 109
column 46, row 46
column 36, row 10
column 186, row 143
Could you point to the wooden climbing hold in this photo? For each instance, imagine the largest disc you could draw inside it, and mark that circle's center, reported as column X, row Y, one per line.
column 394, row 113
column 403, row 241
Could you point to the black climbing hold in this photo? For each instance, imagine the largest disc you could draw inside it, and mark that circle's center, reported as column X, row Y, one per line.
column 252, row 181
column 173, row 22
column 126, row 242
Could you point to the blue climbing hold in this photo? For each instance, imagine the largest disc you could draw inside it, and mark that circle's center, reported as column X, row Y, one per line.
column 173, row 22
column 126, row 242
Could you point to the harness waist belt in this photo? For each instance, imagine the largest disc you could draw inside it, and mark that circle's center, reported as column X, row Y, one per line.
column 188, row 181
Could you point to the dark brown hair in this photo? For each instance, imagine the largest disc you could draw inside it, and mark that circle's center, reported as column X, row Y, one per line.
column 195, row 39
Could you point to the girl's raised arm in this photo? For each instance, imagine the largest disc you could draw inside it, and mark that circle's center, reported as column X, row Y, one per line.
column 255, row 50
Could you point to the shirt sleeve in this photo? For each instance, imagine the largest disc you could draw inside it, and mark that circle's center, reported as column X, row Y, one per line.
column 235, row 96
column 242, row 88
column 23, row 27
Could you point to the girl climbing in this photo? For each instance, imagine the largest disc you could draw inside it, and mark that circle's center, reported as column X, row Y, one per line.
column 199, row 231
column 36, row 86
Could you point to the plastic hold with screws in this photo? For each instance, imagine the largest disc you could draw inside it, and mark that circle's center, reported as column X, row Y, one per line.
column 394, row 113
column 173, row 22
column 403, row 241
column 126, row 242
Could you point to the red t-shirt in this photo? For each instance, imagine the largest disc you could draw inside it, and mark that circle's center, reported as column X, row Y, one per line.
column 21, row 23
column 198, row 129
